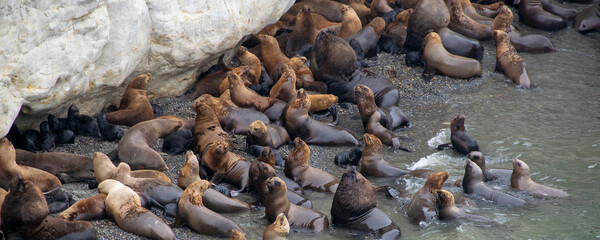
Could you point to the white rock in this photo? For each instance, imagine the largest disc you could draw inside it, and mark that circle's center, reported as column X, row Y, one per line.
column 57, row 53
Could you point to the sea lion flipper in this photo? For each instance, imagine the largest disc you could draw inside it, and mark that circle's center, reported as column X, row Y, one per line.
column 428, row 73
column 445, row 146
column 217, row 178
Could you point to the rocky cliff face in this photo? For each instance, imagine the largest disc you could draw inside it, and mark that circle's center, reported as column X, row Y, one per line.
column 57, row 53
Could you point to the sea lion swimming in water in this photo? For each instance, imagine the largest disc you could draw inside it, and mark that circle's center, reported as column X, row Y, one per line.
column 422, row 206
column 278, row 230
column 447, row 211
column 488, row 174
column 473, row 184
column 521, row 180
column 460, row 141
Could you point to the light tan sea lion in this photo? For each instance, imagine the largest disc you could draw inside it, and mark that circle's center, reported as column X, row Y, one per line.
column 278, row 230
column 105, row 169
column 521, row 180
column 245, row 97
column 298, row 169
column 437, row 59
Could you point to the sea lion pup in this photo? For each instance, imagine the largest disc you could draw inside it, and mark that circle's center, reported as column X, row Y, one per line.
column 354, row 206
column 68, row 167
column 532, row 14
column 105, row 169
column 278, row 230
column 9, row 169
column 123, row 205
column 88, row 209
column 276, row 202
column 465, row 25
column 298, row 169
column 521, row 180
column 460, row 140
column 227, row 165
column 523, row 43
column 473, row 184
column 207, row 128
column 372, row 163
column 588, row 20
column 81, row 124
column 136, row 146
column 422, row 206
column 368, row 36
column 134, row 106
column 447, row 211
column 437, row 59
column 232, row 119
column 299, row 124
column 272, row 135
column 25, row 216
column 192, row 212
column 379, row 8
column 509, row 62
column 488, row 174
column 245, row 97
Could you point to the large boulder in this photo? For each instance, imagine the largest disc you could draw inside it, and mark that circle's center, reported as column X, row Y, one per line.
column 57, row 53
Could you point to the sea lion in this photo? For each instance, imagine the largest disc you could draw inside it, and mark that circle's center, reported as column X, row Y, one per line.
column 472, row 12
column 372, row 163
column 276, row 202
column 460, row 140
column 68, row 167
column 473, row 184
column 272, row 55
column 178, row 142
column 25, row 216
column 285, row 88
column 81, row 124
column 278, row 230
column 380, row 8
column 558, row 9
column 298, row 169
column 488, row 174
column 404, row 16
column 422, row 206
column 299, row 124
column 109, row 132
column 532, row 13
column 394, row 37
column 227, row 165
column 192, row 212
column 447, row 211
column 160, row 191
column 460, row 45
column 232, row 119
column 47, row 138
column 268, row 159
column 124, row 207
column 465, row 25
column 105, row 169
column 64, row 135
column 489, row 10
column 521, row 180
column 437, row 59
column 304, row 76
column 428, row 15
column 304, row 33
column 354, row 206
column 208, row 84
column 392, row 117
column 262, row 170
column 352, row 157
column 272, row 135
column 523, row 43
column 350, row 22
column 189, row 171
column 588, row 20
column 320, row 22
column 373, row 126
column 134, row 106
column 246, row 58
column 207, row 128
column 244, row 97
column 363, row 12
column 329, row 9
column 509, row 62
column 369, row 35
column 88, row 209
column 136, row 146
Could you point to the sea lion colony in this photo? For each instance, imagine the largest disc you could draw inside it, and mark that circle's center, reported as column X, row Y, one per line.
column 333, row 39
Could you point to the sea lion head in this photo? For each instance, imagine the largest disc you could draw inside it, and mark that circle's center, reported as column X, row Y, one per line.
column 123, row 172
column 103, row 167
column 365, row 100
column 264, row 172
column 355, row 195
column 235, row 79
column 7, row 150
column 220, row 147
column 404, row 16
column 432, row 37
column 302, row 102
column 521, row 168
column 258, row 133
column 299, row 154
column 267, row 156
column 276, row 186
column 241, row 51
column 194, row 192
column 267, row 41
column 443, row 198
column 436, row 180
column 281, row 224
column 372, row 143
column 503, row 20
column 472, row 173
column 457, row 123
column 140, row 81
column 478, row 158
column 378, row 24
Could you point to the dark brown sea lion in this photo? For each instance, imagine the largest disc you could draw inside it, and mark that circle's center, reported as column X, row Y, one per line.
column 105, row 169
column 379, row 8
column 209, row 84
column 473, row 184
column 588, row 20
column 392, row 117
column 9, row 169
column 278, row 230
column 245, row 97
column 368, row 36
column 437, row 59
column 329, row 9
column 461, row 23
column 134, row 106
column 25, row 216
column 298, row 169
column 521, row 180
column 509, row 62
column 88, row 209
column 227, row 165
column 271, row 135
column 354, row 206
column 522, row 43
column 397, row 32
column 459, row 138
column 299, row 124
column 162, row 192
column 207, row 128
column 192, row 212
column 422, row 206
column 363, row 12
column 68, row 167
column 373, row 164
column 276, row 202
column 428, row 15
column 232, row 119
column 447, row 211
column 532, row 13
column 124, row 207
column 304, row 33
column 136, row 146
column 488, row 174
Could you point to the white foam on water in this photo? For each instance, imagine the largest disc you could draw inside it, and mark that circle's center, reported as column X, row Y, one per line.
column 443, row 136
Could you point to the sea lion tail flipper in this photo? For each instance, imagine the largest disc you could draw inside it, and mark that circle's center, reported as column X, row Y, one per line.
column 396, row 144
column 170, row 210
column 334, row 114
column 428, row 73
column 445, row 146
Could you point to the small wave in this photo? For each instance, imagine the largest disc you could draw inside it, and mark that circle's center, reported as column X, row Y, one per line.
column 440, row 138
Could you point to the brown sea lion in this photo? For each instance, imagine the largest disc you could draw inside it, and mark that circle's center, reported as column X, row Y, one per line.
column 354, row 206
column 136, row 146
column 373, row 164
column 298, row 169
column 88, row 209
column 558, row 9
column 272, row 135
column 304, row 76
column 162, row 192
column 278, row 230
column 226, row 96
column 392, row 117
column 268, row 159
column 437, row 59
column 522, row 43
column 304, row 33
column 134, row 106
column 242, row 71
column 321, row 22
column 470, row 11
column 320, row 102
column 428, row 15
column 588, row 20
column 276, row 202
column 521, row 180
column 379, row 8
column 285, row 88
column 9, row 169
column 207, row 128
column 350, row 22
column 460, row 140
column 329, row 9
column 124, row 207
column 25, row 216
column 422, row 206
column 461, row 23
column 232, row 119
column 489, row 10
column 272, row 55
column 68, row 167
column 189, row 172
column 209, row 84
column 105, row 169
column 404, row 16
column 473, row 184
column 245, row 97
column 263, row 170
column 488, row 174
column 369, row 35
column 299, row 124
column 397, row 32
column 509, row 62
column 532, row 13
column 447, row 211
column 272, row 29
column 227, row 165
column 363, row 12
column 192, row 212
column 250, row 60
column 373, row 126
